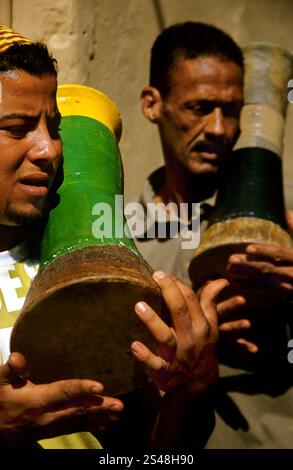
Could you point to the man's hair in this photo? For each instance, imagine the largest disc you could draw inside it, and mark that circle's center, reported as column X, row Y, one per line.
column 33, row 58
column 189, row 40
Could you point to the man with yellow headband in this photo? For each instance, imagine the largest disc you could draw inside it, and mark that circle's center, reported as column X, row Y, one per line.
column 60, row 414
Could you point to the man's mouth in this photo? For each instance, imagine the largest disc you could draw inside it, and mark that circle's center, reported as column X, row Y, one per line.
column 36, row 184
column 208, row 152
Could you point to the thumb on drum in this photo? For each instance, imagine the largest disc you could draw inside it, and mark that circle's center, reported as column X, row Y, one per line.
column 13, row 368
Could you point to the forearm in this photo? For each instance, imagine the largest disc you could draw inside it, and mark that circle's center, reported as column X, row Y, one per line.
column 184, row 422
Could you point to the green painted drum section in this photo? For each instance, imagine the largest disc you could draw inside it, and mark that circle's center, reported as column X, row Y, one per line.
column 252, row 186
column 93, row 174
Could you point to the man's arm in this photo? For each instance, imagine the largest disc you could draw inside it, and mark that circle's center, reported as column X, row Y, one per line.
column 185, row 367
column 269, row 266
column 266, row 267
column 30, row 412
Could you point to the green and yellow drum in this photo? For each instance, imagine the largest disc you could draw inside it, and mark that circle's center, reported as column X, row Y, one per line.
column 78, row 319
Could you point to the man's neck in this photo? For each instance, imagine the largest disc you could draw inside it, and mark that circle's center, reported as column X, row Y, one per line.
column 182, row 186
column 11, row 236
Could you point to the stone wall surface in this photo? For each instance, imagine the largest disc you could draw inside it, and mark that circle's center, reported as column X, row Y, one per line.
column 5, row 12
column 106, row 44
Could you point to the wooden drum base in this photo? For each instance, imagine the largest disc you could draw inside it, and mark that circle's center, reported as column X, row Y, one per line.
column 223, row 239
column 78, row 320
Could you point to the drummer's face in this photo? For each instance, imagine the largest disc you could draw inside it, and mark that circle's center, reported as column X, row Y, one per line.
column 30, row 146
column 199, row 118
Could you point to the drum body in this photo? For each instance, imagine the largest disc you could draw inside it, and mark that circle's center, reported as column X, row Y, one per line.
column 78, row 320
column 250, row 203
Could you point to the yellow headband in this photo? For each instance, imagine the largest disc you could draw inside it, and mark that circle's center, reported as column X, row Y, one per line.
column 8, row 38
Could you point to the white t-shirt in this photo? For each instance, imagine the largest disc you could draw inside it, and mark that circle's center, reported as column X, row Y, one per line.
column 16, row 274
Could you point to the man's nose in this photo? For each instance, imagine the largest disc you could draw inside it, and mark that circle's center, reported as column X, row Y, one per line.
column 44, row 150
column 215, row 125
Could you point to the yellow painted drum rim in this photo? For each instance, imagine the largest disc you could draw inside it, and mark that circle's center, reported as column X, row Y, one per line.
column 81, row 100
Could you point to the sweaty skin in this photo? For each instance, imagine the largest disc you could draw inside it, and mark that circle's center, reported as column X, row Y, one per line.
column 198, row 123
column 185, row 365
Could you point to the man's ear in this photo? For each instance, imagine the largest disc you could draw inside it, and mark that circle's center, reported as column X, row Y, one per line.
column 151, row 103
